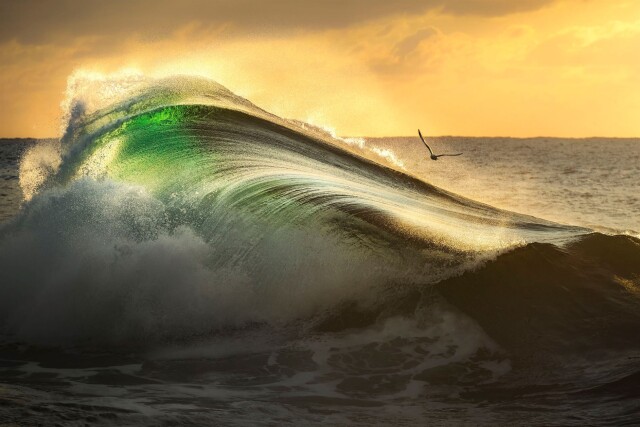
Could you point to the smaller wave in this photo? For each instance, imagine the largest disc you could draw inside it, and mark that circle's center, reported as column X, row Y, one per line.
column 583, row 297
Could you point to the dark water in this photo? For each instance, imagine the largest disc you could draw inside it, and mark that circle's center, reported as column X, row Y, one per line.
column 192, row 260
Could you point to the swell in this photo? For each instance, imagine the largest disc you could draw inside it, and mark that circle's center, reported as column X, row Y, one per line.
column 538, row 301
column 582, row 297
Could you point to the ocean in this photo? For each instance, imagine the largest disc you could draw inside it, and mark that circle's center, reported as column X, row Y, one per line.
column 183, row 257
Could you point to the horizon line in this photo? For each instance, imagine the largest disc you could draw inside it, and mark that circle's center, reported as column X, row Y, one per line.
column 404, row 136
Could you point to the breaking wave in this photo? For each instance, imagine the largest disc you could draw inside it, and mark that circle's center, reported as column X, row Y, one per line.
column 174, row 210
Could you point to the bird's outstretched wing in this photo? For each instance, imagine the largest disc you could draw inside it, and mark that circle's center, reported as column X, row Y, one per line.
column 457, row 154
column 425, row 143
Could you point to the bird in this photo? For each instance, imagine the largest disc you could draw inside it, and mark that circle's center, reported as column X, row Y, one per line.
column 434, row 156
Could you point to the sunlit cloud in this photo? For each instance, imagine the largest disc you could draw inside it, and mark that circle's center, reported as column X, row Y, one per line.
column 34, row 21
column 489, row 67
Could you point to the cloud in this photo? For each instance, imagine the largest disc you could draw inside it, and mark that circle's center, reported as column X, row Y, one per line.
column 40, row 22
column 409, row 44
column 491, row 7
column 364, row 67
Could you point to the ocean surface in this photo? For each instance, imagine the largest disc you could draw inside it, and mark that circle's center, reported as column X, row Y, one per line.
column 183, row 257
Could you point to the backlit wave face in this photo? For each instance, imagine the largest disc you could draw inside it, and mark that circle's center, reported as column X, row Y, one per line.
column 198, row 147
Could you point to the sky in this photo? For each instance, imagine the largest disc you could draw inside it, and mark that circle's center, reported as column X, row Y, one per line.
column 566, row 68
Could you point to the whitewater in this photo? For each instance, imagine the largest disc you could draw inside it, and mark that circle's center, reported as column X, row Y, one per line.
column 181, row 255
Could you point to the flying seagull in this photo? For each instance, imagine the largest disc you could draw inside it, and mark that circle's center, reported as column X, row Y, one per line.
column 433, row 156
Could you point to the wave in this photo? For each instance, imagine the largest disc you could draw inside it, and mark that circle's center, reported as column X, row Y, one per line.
column 228, row 152
column 537, row 298
column 177, row 209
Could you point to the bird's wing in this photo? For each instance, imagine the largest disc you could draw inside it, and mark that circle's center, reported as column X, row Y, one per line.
column 457, row 154
column 424, row 142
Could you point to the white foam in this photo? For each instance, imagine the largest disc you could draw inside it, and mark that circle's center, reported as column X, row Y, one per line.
column 95, row 261
column 37, row 164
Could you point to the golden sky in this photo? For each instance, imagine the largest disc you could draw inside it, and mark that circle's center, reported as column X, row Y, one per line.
column 363, row 67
